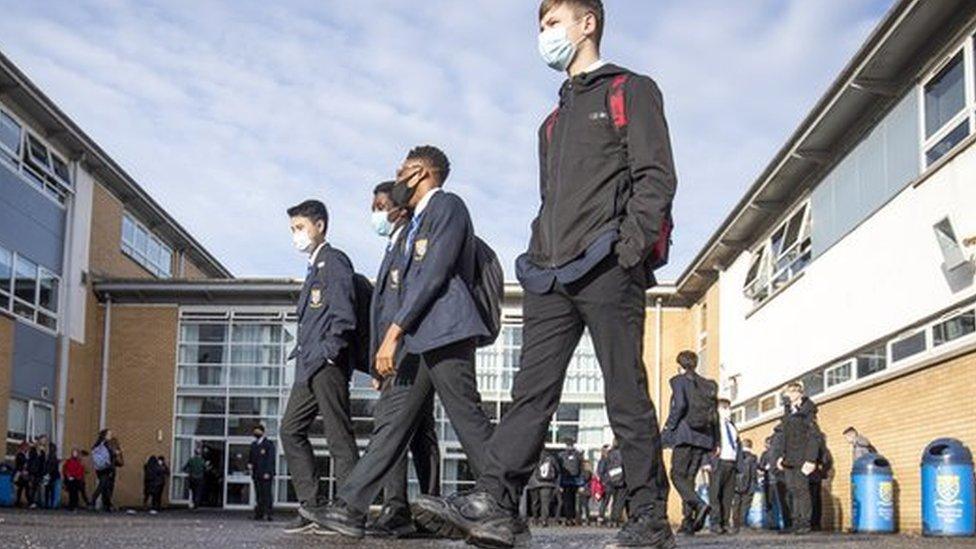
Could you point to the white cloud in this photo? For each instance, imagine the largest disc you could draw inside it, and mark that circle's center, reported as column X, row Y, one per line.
column 229, row 112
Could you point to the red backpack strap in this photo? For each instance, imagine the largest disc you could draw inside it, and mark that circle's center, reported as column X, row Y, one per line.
column 617, row 102
column 550, row 123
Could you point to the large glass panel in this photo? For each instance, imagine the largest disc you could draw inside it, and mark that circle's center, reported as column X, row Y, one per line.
column 9, row 133
column 256, row 333
column 206, row 405
column 17, row 419
column 254, row 406
column 244, row 426
column 6, row 272
column 871, row 361
column 200, row 426
column 954, row 328
column 43, row 420
column 48, row 297
column 255, row 354
column 909, row 346
column 201, row 354
column 25, row 280
column 945, row 95
column 947, row 143
column 204, row 333
column 255, row 376
column 37, row 152
column 839, row 374
column 195, row 376
column 60, row 170
column 128, row 231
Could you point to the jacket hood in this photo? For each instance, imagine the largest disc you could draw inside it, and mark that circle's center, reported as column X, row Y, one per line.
column 588, row 80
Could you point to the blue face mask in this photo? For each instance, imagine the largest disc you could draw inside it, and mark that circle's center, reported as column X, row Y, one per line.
column 556, row 49
column 381, row 223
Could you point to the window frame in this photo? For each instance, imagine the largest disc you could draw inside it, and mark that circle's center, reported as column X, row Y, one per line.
column 142, row 256
column 44, row 179
column 10, row 301
column 968, row 113
column 850, row 364
column 771, row 276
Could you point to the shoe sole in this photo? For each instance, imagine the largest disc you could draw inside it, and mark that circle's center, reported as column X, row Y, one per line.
column 436, row 524
column 343, row 529
column 302, row 530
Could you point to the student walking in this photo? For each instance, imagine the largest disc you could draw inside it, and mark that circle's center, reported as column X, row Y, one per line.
column 106, row 455
column 195, row 469
column 606, row 183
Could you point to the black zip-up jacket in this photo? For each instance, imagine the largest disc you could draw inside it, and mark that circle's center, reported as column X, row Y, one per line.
column 596, row 179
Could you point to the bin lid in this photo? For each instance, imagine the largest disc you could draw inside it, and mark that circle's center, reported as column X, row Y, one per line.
column 947, row 451
column 871, row 464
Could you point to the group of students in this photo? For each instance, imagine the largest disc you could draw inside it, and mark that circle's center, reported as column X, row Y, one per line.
column 564, row 486
column 38, row 471
column 606, row 186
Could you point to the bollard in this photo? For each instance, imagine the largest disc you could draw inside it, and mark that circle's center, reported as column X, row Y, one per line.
column 947, row 489
column 872, row 495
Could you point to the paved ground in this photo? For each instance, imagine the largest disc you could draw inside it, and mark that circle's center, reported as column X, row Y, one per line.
column 39, row 529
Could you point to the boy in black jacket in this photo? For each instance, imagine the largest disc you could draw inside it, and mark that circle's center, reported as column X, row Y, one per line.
column 606, row 183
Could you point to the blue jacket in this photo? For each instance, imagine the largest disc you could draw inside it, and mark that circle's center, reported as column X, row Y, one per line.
column 326, row 315
column 262, row 459
column 386, row 297
column 676, row 429
column 437, row 274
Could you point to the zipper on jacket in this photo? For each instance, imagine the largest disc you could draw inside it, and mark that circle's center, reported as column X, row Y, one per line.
column 566, row 117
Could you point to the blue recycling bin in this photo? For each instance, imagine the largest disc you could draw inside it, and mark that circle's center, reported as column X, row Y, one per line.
column 756, row 517
column 872, row 495
column 947, row 489
column 6, row 486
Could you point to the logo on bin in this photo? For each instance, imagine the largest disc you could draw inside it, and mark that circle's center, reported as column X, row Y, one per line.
column 948, row 489
column 885, row 493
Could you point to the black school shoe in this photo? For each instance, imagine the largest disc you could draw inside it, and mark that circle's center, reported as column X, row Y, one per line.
column 392, row 522
column 299, row 525
column 474, row 516
column 339, row 517
column 644, row 530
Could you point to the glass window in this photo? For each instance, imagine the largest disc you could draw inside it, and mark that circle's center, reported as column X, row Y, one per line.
column 6, row 271
column 954, row 328
column 839, row 374
column 754, row 268
column 60, row 170
column 128, row 231
column 767, row 404
column 908, row 346
column 48, row 297
column 945, row 96
column 813, row 383
column 25, row 280
column 871, row 361
column 200, row 405
column 947, row 143
column 38, row 154
column 752, row 409
column 254, row 406
column 203, row 333
column 43, row 420
column 9, row 133
column 17, row 419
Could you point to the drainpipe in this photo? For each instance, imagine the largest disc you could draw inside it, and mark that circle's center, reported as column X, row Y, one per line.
column 659, row 328
column 105, row 354
column 64, row 300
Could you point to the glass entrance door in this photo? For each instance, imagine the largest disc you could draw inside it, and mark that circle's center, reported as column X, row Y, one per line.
column 238, row 485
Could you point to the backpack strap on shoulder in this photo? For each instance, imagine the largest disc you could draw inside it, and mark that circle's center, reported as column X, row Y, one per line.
column 616, row 101
column 550, row 123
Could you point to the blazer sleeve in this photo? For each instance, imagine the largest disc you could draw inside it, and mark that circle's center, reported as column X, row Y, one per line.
column 679, row 405
column 651, row 169
column 340, row 311
column 445, row 239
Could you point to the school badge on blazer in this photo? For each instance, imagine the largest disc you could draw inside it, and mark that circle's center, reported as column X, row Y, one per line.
column 315, row 297
column 419, row 249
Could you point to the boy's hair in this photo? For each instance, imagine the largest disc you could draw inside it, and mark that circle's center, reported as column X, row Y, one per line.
column 688, row 360
column 384, row 187
column 585, row 6
column 850, row 430
column 312, row 209
column 794, row 386
column 435, row 159
column 747, row 443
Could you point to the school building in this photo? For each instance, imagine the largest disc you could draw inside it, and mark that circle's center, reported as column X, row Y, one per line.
column 848, row 264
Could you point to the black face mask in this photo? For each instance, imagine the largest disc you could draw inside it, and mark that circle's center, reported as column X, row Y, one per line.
column 258, row 435
column 402, row 193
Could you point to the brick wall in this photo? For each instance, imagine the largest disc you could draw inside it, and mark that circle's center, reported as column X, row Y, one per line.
column 106, row 257
column 140, row 394
column 900, row 417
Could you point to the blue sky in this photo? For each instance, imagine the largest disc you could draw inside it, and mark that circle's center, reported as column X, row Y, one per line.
column 229, row 112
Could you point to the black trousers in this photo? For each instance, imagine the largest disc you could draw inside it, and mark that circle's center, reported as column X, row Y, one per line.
column 262, row 493
column 546, row 498
column 798, row 487
column 426, row 453
column 450, row 372
column 685, row 462
column 740, row 509
column 74, row 487
column 568, row 503
column 325, row 394
column 583, row 507
column 816, row 503
column 105, row 488
column 721, row 491
column 609, row 302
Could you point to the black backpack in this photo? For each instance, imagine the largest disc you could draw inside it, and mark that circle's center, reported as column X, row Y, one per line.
column 615, row 468
column 572, row 466
column 547, row 469
column 702, row 404
column 489, row 287
column 363, row 293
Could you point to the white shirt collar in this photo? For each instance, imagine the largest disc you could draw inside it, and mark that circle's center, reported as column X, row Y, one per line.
column 422, row 205
column 595, row 66
column 315, row 253
column 394, row 236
